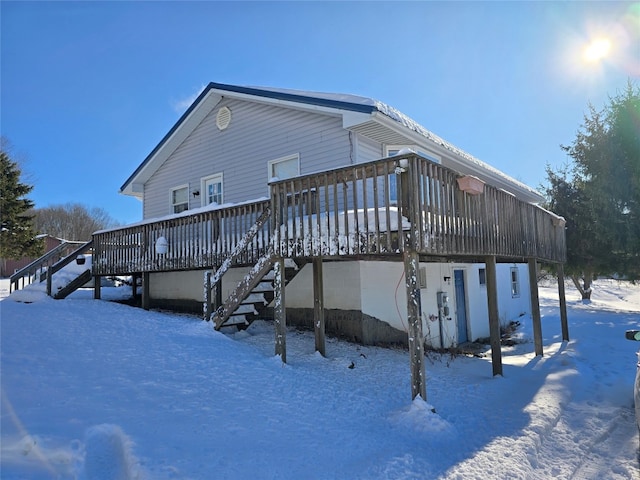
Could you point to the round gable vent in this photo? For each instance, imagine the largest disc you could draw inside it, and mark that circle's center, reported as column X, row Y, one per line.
column 223, row 119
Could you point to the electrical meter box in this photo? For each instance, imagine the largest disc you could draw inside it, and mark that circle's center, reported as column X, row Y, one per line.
column 443, row 303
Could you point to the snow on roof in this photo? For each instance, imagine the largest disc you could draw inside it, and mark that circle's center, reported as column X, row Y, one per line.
column 338, row 101
column 365, row 103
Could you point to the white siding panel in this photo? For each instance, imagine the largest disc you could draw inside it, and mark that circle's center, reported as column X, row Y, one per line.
column 257, row 133
column 368, row 149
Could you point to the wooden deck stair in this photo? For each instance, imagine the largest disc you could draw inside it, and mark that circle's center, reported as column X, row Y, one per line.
column 38, row 269
column 251, row 298
column 73, row 285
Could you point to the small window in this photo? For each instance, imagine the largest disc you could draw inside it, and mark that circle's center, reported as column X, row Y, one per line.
column 482, row 277
column 285, row 167
column 393, row 185
column 212, row 191
column 515, row 282
column 394, row 149
column 180, row 199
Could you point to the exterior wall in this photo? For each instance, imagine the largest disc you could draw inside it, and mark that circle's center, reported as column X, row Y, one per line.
column 341, row 287
column 257, row 134
column 189, row 285
column 510, row 307
column 375, row 292
column 367, row 149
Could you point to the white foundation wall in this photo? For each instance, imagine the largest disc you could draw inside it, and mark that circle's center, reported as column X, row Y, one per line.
column 177, row 285
column 189, row 285
column 512, row 307
column 378, row 289
column 341, row 287
column 384, row 292
column 384, row 296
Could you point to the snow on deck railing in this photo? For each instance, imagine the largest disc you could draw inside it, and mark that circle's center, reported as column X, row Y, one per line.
column 201, row 239
column 315, row 214
column 372, row 208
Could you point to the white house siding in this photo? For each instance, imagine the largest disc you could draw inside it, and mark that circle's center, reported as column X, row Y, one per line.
column 367, row 149
column 257, row 134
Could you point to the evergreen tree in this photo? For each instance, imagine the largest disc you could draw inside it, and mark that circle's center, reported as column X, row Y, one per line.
column 600, row 196
column 17, row 235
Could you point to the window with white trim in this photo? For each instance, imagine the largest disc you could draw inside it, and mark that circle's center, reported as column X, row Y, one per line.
column 212, row 190
column 394, row 149
column 180, row 198
column 393, row 186
column 515, row 282
column 284, row 167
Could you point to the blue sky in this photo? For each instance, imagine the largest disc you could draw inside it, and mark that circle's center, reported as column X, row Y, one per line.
column 88, row 89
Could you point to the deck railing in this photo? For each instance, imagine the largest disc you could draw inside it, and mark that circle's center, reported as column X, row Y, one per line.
column 193, row 241
column 37, row 270
column 369, row 209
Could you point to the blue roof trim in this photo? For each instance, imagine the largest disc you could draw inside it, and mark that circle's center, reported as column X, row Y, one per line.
column 258, row 92
column 167, row 136
column 297, row 98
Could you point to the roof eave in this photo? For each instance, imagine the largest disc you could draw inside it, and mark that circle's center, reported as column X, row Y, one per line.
column 476, row 167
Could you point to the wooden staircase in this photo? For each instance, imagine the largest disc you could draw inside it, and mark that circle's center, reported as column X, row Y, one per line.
column 77, row 282
column 73, row 285
column 38, row 269
column 45, row 267
column 251, row 298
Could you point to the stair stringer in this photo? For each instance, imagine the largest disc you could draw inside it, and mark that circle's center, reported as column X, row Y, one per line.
column 244, row 288
column 73, row 285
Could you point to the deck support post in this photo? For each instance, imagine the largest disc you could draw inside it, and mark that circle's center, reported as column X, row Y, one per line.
column 145, row 290
column 494, row 318
column 563, row 303
column 414, row 316
column 279, row 309
column 206, row 308
column 212, row 295
column 97, row 285
column 134, row 285
column 49, row 282
column 535, row 307
column 318, row 306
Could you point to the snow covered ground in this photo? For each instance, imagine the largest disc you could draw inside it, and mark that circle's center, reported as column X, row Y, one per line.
column 98, row 390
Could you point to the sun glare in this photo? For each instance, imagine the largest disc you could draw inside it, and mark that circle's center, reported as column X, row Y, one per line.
column 597, row 50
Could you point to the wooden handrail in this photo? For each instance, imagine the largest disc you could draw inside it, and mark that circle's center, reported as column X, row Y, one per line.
column 85, row 247
column 39, row 264
column 198, row 241
column 364, row 209
column 212, row 281
column 353, row 211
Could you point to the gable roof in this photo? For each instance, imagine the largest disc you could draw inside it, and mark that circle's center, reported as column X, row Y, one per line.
column 362, row 114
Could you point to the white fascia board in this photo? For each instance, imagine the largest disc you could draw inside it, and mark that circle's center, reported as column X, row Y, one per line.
column 353, row 119
column 136, row 189
column 476, row 167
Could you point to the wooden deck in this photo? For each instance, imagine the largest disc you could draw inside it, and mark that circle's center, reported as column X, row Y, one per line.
column 404, row 208
column 368, row 210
